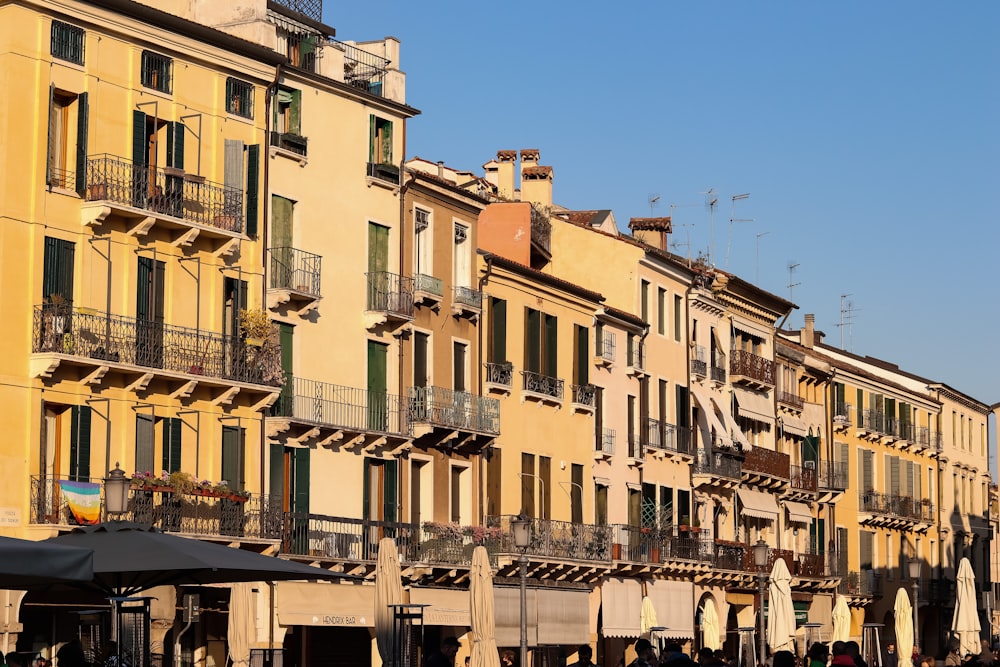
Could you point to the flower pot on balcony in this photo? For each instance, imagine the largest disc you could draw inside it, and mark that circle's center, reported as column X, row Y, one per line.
column 654, row 555
column 97, row 191
column 616, row 552
column 256, row 342
column 197, row 369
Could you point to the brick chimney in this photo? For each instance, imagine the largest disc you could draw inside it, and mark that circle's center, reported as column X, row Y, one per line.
column 654, row 232
column 505, row 173
column 808, row 335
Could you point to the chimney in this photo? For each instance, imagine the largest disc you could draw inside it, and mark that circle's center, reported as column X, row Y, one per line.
column 505, row 173
column 808, row 336
column 653, row 232
column 536, row 184
column 490, row 173
column 529, row 157
column 440, row 169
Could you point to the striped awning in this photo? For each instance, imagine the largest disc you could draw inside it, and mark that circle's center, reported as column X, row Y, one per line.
column 754, row 405
column 758, row 504
column 798, row 512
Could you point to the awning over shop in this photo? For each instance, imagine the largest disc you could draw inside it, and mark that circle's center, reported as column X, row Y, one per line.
column 563, row 617
column 758, row 504
column 351, row 605
column 798, row 512
column 674, row 604
column 793, row 426
column 754, row 405
column 621, row 600
column 507, row 615
column 708, row 409
column 447, row 607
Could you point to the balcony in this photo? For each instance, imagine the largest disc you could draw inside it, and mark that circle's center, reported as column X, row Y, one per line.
column 323, row 537
column 288, row 141
column 499, row 376
column 312, row 9
column 842, row 416
column 864, row 584
column 804, row 478
column 657, row 546
column 584, row 397
column 390, row 299
column 604, row 348
column 363, row 70
column 661, row 436
column 636, row 354
column 467, row 302
column 436, row 408
column 253, row 518
column 542, row 387
column 895, row 511
column 716, row 464
column 833, row 475
column 605, row 444
column 98, row 343
column 184, row 205
column 384, row 173
column 331, row 412
column 766, row 467
column 718, row 374
column 699, row 366
column 791, row 400
column 749, row 369
column 427, row 289
column 559, row 540
column 294, row 278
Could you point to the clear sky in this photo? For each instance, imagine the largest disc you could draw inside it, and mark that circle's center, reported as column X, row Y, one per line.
column 865, row 132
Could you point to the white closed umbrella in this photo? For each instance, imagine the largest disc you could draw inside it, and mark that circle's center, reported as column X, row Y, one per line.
column 482, row 611
column 965, row 621
column 647, row 617
column 710, row 634
column 904, row 628
column 388, row 591
column 781, row 611
column 241, row 624
column 841, row 620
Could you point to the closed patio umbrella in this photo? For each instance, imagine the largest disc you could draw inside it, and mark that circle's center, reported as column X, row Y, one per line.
column 482, row 611
column 28, row 564
column 388, row 591
column 965, row 621
column 841, row 620
column 647, row 616
column 241, row 624
column 781, row 611
column 903, row 612
column 710, row 632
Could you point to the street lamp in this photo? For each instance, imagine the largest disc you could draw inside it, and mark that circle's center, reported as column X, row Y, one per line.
column 520, row 527
column 760, row 560
column 914, row 566
column 116, row 491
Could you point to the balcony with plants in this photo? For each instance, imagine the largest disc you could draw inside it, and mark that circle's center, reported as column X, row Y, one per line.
column 751, row 370
column 185, row 205
column 364, row 70
column 458, row 415
column 294, row 278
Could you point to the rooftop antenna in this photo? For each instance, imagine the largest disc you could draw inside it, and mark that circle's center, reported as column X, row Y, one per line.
column 652, row 202
column 711, row 199
column 847, row 311
column 756, row 273
column 791, row 284
column 674, row 226
column 734, row 219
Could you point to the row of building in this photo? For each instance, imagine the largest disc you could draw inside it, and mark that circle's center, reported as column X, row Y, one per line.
column 228, row 279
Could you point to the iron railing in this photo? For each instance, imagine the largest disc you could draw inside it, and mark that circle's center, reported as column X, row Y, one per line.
column 239, row 97
column 861, row 584
column 165, row 191
column 364, row 70
column 792, row 399
column 311, row 8
column 59, row 177
column 339, row 406
column 729, row 555
column 454, row 543
column 767, row 461
column 584, row 394
column 717, row 463
column 267, row 657
column 345, row 538
column 454, row 409
column 390, row 293
column 642, row 544
column 541, row 230
column 501, row 373
column 896, row 505
column 80, row 332
column 698, row 364
column 384, row 172
column 662, row 435
column 537, row 383
column 210, row 515
column 66, row 42
column 606, row 345
column 937, row 590
column 606, row 443
column 842, row 412
column 468, row 296
column 833, row 475
column 718, row 374
column 636, row 354
column 428, row 284
column 295, row 269
column 289, row 141
column 156, row 72
column 804, row 477
column 557, row 539
column 747, row 364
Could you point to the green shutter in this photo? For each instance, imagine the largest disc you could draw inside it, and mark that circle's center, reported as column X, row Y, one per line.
column 57, row 271
column 282, row 212
column 79, row 446
column 172, row 444
column 644, row 300
column 682, row 407
column 139, row 155
column 295, row 113
column 277, row 461
column 582, row 366
column 82, row 114
column 300, row 458
column 810, row 448
column 175, row 145
column 145, row 444
column 371, row 138
column 532, row 342
column 253, row 188
column 378, row 248
column 387, row 143
column 232, row 456
column 551, row 350
column 377, row 399
column 859, row 407
column 306, row 47
column 865, row 549
column 390, row 503
column 48, row 141
column 366, row 490
column 498, row 331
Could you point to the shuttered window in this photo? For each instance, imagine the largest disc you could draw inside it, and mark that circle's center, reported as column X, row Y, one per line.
column 498, row 331
column 299, row 496
column 172, row 444
column 860, row 404
column 79, row 445
column 661, row 311
column 550, row 345
column 576, row 492
column 528, row 484
column 865, row 543
column 253, row 189
column 459, row 354
column 276, row 488
column 532, row 341
column 581, row 355
column 600, row 504
column 233, row 456
column 494, row 471
column 145, row 444
column 644, row 300
column 420, row 345
column 57, row 272
column 678, row 312
column 545, row 488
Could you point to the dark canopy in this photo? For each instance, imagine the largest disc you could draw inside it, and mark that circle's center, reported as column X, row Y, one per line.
column 26, row 564
column 131, row 557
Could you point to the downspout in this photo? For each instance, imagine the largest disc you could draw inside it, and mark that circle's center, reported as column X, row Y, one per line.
column 485, row 278
column 403, row 187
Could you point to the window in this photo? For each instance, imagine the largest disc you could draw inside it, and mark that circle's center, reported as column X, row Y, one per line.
column 233, row 456
column 677, row 317
column 171, row 444
column 67, row 42
column 239, row 97
column 459, row 355
column 498, row 331
column 145, row 443
column 286, row 121
column 601, row 504
column 421, row 489
column 528, row 484
column 79, row 444
column 462, row 257
column 66, row 163
column 380, row 145
column 156, row 72
column 644, row 300
column 576, row 492
column 461, row 495
column 541, row 343
column 422, row 242
column 420, row 366
column 865, row 549
column 581, row 355
column 57, row 272
column 661, row 311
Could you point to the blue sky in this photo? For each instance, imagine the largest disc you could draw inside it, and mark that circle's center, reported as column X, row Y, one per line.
column 865, row 133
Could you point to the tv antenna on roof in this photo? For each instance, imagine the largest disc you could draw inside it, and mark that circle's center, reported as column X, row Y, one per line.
column 674, row 226
column 652, row 202
column 711, row 199
column 791, row 284
column 733, row 219
column 847, row 311
column 756, row 273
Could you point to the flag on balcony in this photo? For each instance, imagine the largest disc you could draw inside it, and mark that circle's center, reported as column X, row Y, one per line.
column 83, row 499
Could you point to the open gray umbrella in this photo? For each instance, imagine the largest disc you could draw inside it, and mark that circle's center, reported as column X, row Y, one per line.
column 131, row 557
column 28, row 564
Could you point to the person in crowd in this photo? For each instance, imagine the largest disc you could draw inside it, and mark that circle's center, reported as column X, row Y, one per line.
column 818, row 655
column 584, row 657
column 783, row 659
column 445, row 656
column 720, row 656
column 840, row 655
column 70, row 654
column 644, row 654
column 674, row 656
column 707, row 658
column 985, row 655
column 890, row 659
column 507, row 658
column 854, row 650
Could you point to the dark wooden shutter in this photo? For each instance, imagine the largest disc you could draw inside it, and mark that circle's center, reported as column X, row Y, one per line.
column 532, row 341
column 599, row 419
column 550, row 352
column 175, row 145
column 581, row 355
column 498, row 331
column 644, row 300
column 232, row 457
column 545, row 488
column 57, row 271
column 528, row 484
column 295, row 113
column 631, row 426
column 371, row 139
column 172, row 444
column 79, row 446
column 865, row 549
column 49, row 138
column 82, row 125
column 145, row 444
column 277, row 465
column 253, row 188
column 366, row 490
column 377, row 400
column 301, row 462
column 860, row 407
column 810, row 448
column 494, row 472
column 576, row 492
column 390, row 486
column 458, row 367
column 682, row 407
column 600, row 504
column 420, row 359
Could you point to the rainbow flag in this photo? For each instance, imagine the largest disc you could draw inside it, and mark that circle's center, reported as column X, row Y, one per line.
column 83, row 499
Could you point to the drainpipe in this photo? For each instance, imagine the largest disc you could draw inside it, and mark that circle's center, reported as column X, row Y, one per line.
column 485, row 278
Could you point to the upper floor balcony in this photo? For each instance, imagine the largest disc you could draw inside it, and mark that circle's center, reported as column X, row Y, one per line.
column 541, row 233
column 865, row 584
column 364, row 70
column 446, row 410
column 584, row 397
column 383, row 172
column 499, row 376
column 749, row 369
column 661, row 436
column 766, row 467
column 716, row 467
column 791, row 400
column 389, row 299
column 699, row 366
column 467, row 302
column 312, row 9
column 659, row 546
column 294, row 278
column 291, row 142
column 804, row 478
column 184, row 205
column 605, row 443
column 739, row 557
column 604, row 348
column 542, row 387
column 427, row 289
column 842, row 415
column 833, row 475
column 98, row 343
column 895, row 511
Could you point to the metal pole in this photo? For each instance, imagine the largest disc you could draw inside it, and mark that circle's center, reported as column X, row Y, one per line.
column 523, row 562
column 760, row 579
column 916, row 633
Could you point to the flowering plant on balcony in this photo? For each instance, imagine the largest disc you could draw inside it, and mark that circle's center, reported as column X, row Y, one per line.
column 185, row 483
column 455, row 532
column 147, row 481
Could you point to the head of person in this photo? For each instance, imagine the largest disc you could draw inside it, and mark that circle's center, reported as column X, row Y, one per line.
column 585, row 653
column 819, row 651
column 954, row 645
column 890, row 647
column 468, row 659
column 449, row 646
column 783, row 659
column 644, row 649
column 705, row 656
column 507, row 657
column 853, row 649
column 839, row 648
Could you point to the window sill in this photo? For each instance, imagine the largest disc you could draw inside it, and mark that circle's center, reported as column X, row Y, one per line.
column 583, row 407
column 156, row 93
column 70, row 64
column 54, row 189
column 235, row 116
column 392, row 187
column 290, row 155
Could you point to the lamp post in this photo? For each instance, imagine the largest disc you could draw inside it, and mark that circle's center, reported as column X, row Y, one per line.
column 914, row 566
column 116, row 491
column 760, row 561
column 521, row 529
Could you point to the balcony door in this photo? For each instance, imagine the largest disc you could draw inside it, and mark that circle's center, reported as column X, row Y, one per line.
column 378, row 267
column 380, row 495
column 234, row 299
column 282, row 266
column 378, row 408
column 149, row 312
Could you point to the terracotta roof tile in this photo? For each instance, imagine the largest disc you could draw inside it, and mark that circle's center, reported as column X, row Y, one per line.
column 658, row 224
column 536, row 172
column 506, row 156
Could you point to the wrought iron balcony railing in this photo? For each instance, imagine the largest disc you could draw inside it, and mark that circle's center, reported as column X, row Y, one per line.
column 344, row 538
column 310, row 8
column 390, row 293
column 833, row 475
column 335, row 405
column 842, row 412
column 606, row 345
column 767, row 462
column 749, row 365
column 636, row 354
column 295, row 269
column 643, row 544
column 257, row 517
column 606, row 443
column 665, row 436
column 791, row 399
column 804, row 477
column 718, row 374
column 861, row 584
column 698, row 364
column 80, row 332
column 896, row 505
column 469, row 297
column 454, row 409
column 362, row 69
column 384, row 172
column 584, row 394
column 543, row 385
column 557, row 539
column 288, row 141
column 428, row 284
column 165, row 191
column 500, row 374
column 717, row 463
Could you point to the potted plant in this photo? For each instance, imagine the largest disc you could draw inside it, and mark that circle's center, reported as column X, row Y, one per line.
column 256, row 326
